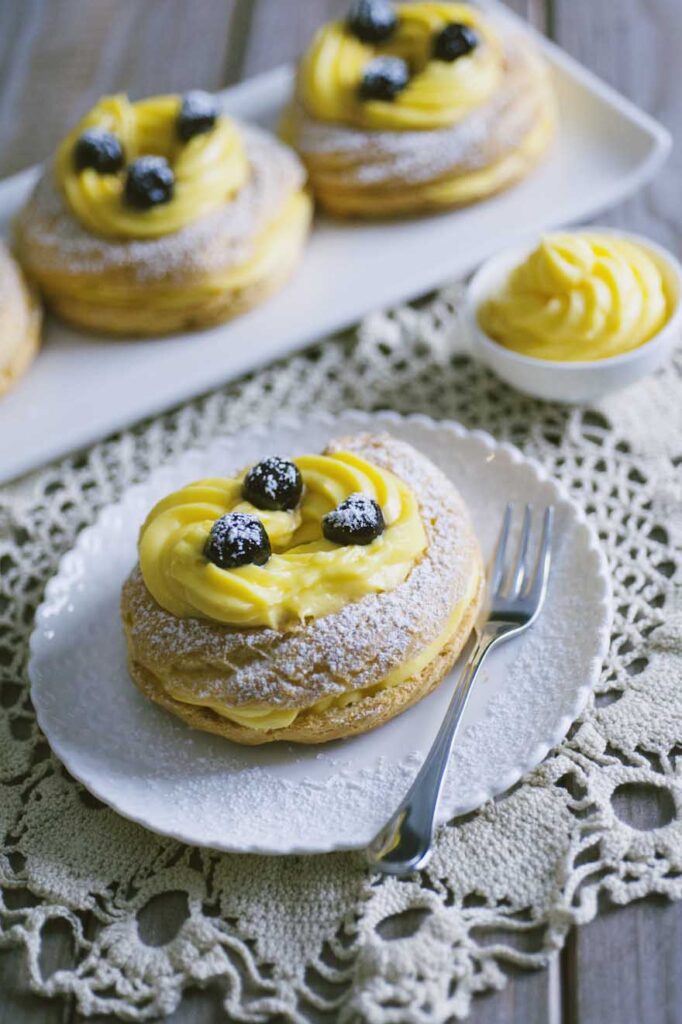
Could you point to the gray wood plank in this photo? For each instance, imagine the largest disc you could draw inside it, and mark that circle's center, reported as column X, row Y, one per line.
column 279, row 32
column 627, row 964
column 57, row 59
column 534, row 11
column 17, row 1004
column 530, row 997
column 635, row 45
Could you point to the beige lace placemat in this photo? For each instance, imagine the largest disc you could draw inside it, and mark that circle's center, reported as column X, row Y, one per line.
column 300, row 936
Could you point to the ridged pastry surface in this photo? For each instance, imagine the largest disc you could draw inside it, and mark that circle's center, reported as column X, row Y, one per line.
column 195, row 661
column 217, row 266
column 358, row 172
column 50, row 237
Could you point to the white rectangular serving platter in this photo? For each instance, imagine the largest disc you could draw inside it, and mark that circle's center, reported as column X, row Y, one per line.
column 81, row 389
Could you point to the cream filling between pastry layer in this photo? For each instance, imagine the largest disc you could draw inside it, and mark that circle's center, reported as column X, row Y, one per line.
column 265, row 719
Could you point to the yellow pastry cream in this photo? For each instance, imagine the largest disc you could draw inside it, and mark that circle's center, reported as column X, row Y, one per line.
column 437, row 93
column 580, row 296
column 270, row 251
column 206, row 167
column 163, row 215
column 260, row 716
column 306, row 575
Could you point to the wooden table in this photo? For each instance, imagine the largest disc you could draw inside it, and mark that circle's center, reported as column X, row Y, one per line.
column 57, row 57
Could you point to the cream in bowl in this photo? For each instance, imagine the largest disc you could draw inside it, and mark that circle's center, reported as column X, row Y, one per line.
column 577, row 313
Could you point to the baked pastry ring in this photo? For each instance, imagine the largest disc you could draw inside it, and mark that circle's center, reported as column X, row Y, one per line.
column 152, row 220
column 360, row 631
column 446, row 109
column 20, row 321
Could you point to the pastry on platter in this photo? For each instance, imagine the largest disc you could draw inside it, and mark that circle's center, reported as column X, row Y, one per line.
column 306, row 599
column 163, row 215
column 20, row 322
column 414, row 107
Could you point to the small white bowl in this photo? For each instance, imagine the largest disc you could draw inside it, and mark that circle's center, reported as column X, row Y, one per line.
column 562, row 381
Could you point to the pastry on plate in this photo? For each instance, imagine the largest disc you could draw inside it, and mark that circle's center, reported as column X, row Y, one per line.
column 412, row 107
column 306, row 599
column 20, row 321
column 163, row 215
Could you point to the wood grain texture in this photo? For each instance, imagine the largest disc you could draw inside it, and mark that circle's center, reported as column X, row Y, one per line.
column 534, row 11
column 626, row 966
column 58, row 58
column 530, row 997
column 635, row 45
column 17, row 1004
column 280, row 31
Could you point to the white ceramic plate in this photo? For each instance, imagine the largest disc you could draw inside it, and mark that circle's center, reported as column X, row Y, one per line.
column 283, row 798
column 605, row 150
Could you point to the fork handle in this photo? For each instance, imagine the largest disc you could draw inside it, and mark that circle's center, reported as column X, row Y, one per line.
column 404, row 844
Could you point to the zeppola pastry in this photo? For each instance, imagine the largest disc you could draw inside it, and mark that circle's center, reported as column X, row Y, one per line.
column 20, row 322
column 303, row 600
column 413, row 107
column 163, row 215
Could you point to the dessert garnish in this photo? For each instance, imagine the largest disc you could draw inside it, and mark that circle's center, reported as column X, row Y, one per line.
column 357, row 520
column 384, row 78
column 454, row 41
column 100, row 150
column 149, row 182
column 372, row 21
column 198, row 114
column 237, row 538
column 345, row 499
column 275, row 484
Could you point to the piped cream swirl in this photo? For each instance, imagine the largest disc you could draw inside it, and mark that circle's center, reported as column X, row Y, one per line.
column 579, row 296
column 307, row 576
column 209, row 169
column 440, row 93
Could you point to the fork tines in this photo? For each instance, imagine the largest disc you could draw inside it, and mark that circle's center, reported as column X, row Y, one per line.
column 521, row 580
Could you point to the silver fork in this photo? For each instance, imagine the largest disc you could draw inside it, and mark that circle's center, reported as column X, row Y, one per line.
column 514, row 598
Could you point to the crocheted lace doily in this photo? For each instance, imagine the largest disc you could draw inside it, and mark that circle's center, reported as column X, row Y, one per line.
column 301, row 936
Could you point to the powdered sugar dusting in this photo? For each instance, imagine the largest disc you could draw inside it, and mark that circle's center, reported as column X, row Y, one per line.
column 283, row 798
column 382, row 157
column 353, row 511
column 351, row 649
column 49, row 236
column 275, row 479
column 237, row 538
column 358, row 514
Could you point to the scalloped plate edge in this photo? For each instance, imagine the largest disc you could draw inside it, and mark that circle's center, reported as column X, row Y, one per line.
column 357, row 417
